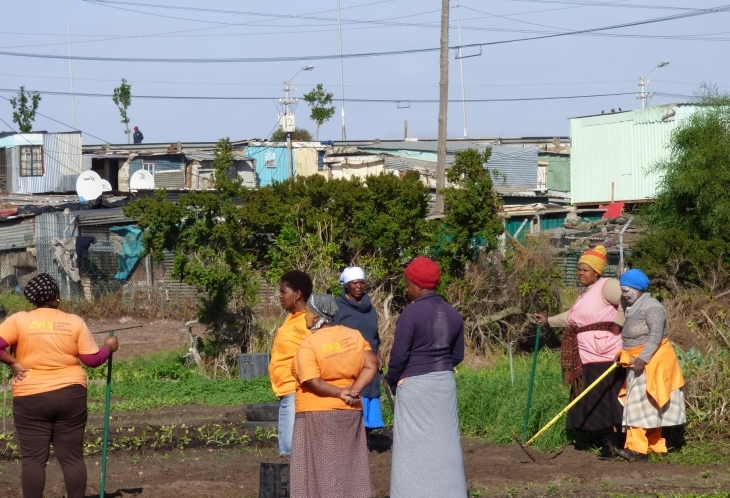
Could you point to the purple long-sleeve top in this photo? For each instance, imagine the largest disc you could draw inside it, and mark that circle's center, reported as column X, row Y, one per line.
column 429, row 337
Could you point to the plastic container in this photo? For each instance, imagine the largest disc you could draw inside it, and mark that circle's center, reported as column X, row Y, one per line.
column 274, row 480
column 253, row 365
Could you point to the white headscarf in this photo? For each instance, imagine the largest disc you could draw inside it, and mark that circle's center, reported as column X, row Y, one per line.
column 352, row 273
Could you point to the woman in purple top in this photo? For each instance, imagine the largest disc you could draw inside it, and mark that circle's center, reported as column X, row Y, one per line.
column 428, row 344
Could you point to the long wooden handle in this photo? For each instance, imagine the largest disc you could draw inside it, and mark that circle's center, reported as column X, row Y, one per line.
column 572, row 404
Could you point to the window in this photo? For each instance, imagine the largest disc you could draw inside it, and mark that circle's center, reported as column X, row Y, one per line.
column 270, row 159
column 320, row 161
column 149, row 167
column 31, row 160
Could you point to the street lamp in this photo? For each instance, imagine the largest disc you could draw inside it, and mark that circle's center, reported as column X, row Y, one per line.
column 286, row 118
column 643, row 95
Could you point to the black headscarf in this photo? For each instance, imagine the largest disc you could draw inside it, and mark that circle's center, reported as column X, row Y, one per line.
column 41, row 289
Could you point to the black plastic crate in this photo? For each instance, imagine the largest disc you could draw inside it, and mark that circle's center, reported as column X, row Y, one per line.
column 274, row 480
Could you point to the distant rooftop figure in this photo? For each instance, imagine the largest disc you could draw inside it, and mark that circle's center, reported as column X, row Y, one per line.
column 137, row 135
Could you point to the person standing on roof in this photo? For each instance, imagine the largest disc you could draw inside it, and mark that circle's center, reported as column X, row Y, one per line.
column 137, row 135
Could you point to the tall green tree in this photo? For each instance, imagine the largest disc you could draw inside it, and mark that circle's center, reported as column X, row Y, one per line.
column 471, row 223
column 25, row 106
column 122, row 97
column 319, row 101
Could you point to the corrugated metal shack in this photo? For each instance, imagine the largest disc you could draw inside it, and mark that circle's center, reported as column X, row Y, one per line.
column 612, row 154
column 34, row 163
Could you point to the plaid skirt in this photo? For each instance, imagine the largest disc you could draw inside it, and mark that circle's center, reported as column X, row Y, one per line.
column 600, row 408
column 329, row 457
column 641, row 410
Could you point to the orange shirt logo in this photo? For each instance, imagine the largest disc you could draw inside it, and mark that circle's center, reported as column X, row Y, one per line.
column 40, row 326
column 334, row 346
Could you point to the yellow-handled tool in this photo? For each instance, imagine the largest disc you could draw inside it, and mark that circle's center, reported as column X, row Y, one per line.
column 572, row 404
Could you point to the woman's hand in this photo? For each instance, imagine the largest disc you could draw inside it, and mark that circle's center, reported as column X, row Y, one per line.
column 111, row 343
column 349, row 397
column 542, row 319
column 19, row 371
column 639, row 366
column 616, row 329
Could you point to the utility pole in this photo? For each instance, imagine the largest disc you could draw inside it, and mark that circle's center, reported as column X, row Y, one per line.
column 71, row 67
column 443, row 107
column 286, row 118
column 643, row 95
column 342, row 80
column 461, row 67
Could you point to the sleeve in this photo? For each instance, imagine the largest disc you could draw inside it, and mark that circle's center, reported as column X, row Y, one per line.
column 559, row 321
column 9, row 330
column 85, row 341
column 307, row 366
column 656, row 319
column 3, row 346
column 95, row 360
column 401, row 350
column 457, row 352
column 612, row 295
column 366, row 346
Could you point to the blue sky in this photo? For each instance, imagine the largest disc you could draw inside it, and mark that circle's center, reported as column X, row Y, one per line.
column 606, row 63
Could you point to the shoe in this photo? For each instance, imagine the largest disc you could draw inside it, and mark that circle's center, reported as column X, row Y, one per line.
column 608, row 452
column 632, row 456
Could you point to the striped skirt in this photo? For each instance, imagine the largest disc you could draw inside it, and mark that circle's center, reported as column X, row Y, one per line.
column 329, row 457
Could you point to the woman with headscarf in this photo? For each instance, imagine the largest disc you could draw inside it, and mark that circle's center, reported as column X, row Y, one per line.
column 49, row 388
column 428, row 345
column 329, row 448
column 295, row 287
column 356, row 312
column 653, row 397
column 591, row 339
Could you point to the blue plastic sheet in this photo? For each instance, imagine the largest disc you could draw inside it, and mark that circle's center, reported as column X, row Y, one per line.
column 132, row 247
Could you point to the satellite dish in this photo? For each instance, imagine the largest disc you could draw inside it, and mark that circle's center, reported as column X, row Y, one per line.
column 141, row 180
column 89, row 186
column 106, row 186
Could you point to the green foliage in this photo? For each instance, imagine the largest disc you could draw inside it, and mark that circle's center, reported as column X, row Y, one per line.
column 13, row 303
column 471, row 222
column 319, row 101
column 298, row 135
column 122, row 98
column 25, row 106
column 206, row 234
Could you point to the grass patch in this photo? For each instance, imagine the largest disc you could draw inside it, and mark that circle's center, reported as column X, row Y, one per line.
column 14, row 302
column 162, row 379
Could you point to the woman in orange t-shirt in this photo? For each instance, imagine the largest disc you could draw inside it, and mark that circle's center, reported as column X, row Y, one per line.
column 332, row 367
column 294, row 290
column 49, row 388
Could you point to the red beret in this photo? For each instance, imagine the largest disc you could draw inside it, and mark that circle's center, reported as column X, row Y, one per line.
column 423, row 272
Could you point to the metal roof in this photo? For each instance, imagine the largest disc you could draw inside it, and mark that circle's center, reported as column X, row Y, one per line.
column 101, row 217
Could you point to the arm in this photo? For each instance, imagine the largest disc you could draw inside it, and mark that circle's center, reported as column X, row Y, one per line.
column 401, row 350
column 655, row 319
column 325, row 389
column 612, row 295
column 457, row 351
column 111, row 344
column 11, row 361
column 557, row 321
column 367, row 374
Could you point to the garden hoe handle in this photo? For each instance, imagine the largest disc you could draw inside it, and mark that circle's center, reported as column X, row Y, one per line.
column 572, row 404
column 106, row 421
column 532, row 382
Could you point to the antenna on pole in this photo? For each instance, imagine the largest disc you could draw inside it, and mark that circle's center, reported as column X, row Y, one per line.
column 70, row 66
column 342, row 81
column 461, row 67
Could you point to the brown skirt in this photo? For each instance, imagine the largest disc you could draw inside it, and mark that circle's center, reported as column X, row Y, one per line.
column 600, row 409
column 329, row 457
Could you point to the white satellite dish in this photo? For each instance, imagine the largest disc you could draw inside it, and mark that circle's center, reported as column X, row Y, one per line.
column 142, row 180
column 106, row 186
column 89, row 186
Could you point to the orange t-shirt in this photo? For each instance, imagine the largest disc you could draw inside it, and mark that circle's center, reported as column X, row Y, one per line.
column 336, row 355
column 286, row 343
column 48, row 342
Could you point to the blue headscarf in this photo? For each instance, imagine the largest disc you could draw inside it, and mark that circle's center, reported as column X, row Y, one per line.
column 636, row 279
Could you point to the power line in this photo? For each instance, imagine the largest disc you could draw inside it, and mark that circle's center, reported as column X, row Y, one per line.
column 375, row 101
column 365, row 54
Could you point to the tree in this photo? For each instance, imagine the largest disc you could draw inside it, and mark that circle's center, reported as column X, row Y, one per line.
column 299, row 135
column 122, row 97
column 471, row 222
column 24, row 109
column 319, row 101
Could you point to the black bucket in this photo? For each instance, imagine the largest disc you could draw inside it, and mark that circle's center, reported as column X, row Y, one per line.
column 253, row 365
column 274, row 480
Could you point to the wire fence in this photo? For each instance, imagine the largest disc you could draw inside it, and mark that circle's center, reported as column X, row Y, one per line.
column 568, row 261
